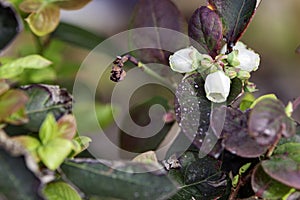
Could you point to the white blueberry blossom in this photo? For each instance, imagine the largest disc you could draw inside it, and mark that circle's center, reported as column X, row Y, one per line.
column 185, row 60
column 217, row 86
column 248, row 59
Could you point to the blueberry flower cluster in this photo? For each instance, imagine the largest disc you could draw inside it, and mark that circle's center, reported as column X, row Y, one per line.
column 217, row 72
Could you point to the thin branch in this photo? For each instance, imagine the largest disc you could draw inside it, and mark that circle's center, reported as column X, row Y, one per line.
column 118, row 73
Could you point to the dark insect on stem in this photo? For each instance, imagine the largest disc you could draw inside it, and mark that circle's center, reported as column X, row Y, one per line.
column 117, row 71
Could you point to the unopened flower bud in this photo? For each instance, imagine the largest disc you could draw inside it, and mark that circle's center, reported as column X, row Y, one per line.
column 243, row 75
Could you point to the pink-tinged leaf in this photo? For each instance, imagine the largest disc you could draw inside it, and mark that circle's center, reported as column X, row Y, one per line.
column 10, row 102
column 235, row 135
column 67, row 126
column 268, row 121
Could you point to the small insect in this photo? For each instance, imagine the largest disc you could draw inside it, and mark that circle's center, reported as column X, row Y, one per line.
column 117, row 71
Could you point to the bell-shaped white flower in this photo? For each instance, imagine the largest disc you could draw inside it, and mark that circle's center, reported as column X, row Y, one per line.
column 217, row 86
column 185, row 60
column 249, row 60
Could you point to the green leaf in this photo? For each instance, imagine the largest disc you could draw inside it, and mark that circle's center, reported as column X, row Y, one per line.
column 80, row 144
column 45, row 75
column 268, row 120
column 11, row 102
column 45, row 20
column 156, row 13
column 60, row 191
column 266, row 96
column 16, row 180
column 49, row 129
column 16, row 67
column 244, row 168
column 101, row 178
column 247, row 101
column 71, row 4
column 266, row 187
column 54, row 152
column 284, row 165
column 205, row 26
column 236, row 15
column 77, row 36
column 198, row 178
column 10, row 24
column 44, row 99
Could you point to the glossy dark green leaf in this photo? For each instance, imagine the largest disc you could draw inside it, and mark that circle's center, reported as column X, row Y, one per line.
column 44, row 99
column 16, row 180
column 284, row 165
column 157, row 13
column 266, row 187
column 236, row 89
column 118, row 179
column 10, row 24
column 205, row 27
column 60, row 190
column 144, row 142
column 198, row 178
column 268, row 120
column 236, row 15
column 192, row 108
column 77, row 36
column 235, row 137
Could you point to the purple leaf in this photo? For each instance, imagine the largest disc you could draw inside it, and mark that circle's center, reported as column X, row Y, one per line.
column 205, row 27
